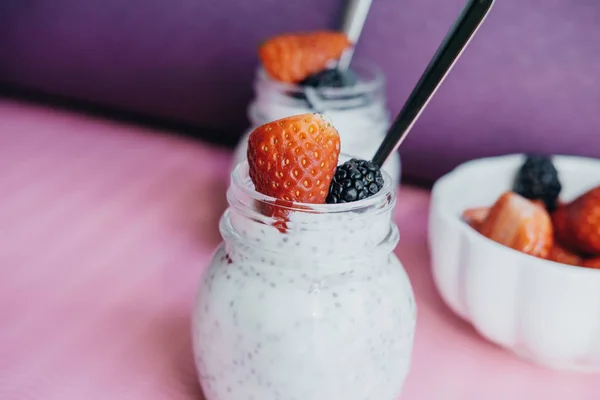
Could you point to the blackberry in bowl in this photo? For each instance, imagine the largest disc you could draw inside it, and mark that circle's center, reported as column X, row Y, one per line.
column 537, row 179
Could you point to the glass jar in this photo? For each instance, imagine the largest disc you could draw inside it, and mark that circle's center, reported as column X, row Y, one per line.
column 358, row 112
column 320, row 310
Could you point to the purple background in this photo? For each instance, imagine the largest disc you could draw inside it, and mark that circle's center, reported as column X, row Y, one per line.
column 530, row 80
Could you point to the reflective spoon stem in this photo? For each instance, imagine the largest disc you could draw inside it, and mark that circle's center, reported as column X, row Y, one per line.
column 354, row 19
column 457, row 39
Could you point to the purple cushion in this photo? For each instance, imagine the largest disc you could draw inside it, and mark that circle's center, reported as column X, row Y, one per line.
column 529, row 81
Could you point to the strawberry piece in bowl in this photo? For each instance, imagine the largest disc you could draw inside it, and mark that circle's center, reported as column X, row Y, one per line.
column 562, row 255
column 475, row 216
column 592, row 263
column 519, row 224
column 582, row 222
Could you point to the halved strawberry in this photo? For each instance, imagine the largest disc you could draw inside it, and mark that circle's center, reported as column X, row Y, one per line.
column 592, row 263
column 580, row 222
column 293, row 57
column 475, row 216
column 293, row 160
column 519, row 224
column 561, row 255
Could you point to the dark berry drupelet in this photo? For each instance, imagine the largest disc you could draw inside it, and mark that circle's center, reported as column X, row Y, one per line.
column 537, row 179
column 354, row 180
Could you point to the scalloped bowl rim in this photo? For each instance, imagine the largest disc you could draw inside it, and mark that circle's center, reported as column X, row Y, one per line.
column 447, row 184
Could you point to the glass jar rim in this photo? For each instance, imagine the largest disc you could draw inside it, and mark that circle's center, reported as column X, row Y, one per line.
column 384, row 199
column 376, row 82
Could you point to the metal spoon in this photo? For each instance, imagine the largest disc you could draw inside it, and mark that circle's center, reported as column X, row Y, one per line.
column 463, row 30
column 354, row 19
column 355, row 14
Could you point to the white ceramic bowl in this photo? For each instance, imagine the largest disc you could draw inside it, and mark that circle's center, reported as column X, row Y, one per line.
column 543, row 311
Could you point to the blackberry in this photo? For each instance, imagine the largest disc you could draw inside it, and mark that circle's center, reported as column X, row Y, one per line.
column 537, row 179
column 331, row 78
column 354, row 180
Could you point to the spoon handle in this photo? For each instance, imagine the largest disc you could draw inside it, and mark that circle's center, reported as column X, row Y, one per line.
column 465, row 27
column 354, row 19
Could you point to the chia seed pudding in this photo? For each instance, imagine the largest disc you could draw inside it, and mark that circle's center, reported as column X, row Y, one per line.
column 323, row 310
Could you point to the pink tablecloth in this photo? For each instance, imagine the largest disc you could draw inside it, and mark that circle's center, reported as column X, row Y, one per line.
column 104, row 231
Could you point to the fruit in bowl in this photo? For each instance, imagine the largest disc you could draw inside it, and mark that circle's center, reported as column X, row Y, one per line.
column 523, row 271
column 532, row 220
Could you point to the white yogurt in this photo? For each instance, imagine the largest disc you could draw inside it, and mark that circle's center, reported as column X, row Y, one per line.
column 359, row 113
column 322, row 311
